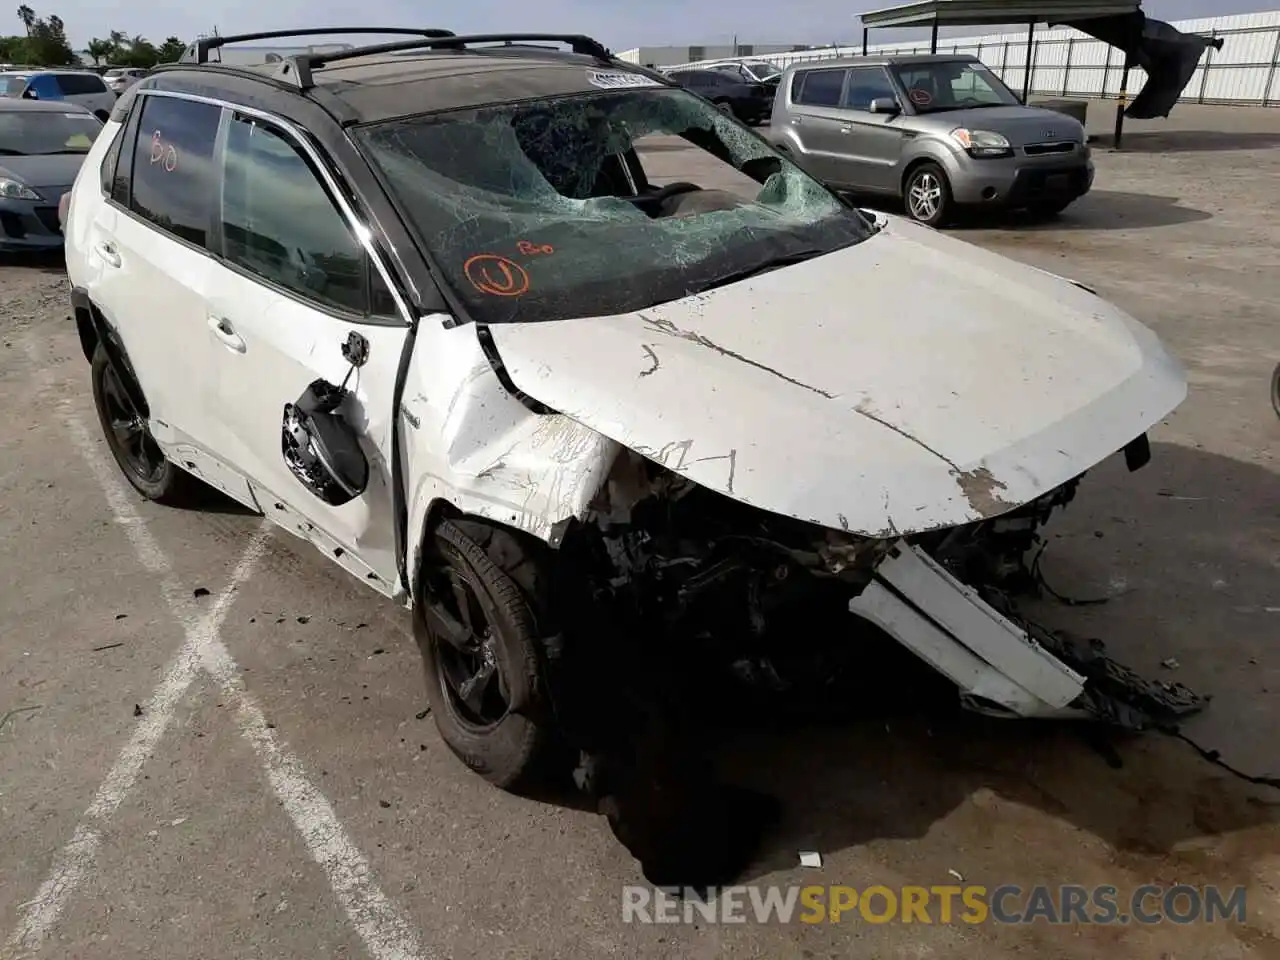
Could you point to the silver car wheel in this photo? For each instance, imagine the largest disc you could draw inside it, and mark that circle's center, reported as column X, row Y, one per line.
column 925, row 196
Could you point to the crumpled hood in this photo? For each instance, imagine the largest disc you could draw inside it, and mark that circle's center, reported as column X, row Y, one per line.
column 58, row 170
column 907, row 383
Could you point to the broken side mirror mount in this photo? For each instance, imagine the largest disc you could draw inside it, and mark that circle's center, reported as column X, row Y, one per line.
column 319, row 445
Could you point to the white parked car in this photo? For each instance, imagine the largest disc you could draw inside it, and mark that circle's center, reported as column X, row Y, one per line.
column 120, row 79
column 428, row 312
column 82, row 87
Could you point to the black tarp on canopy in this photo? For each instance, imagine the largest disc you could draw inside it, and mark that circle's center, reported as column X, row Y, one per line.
column 1168, row 56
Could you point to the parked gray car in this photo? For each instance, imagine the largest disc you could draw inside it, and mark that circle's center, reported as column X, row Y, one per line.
column 42, row 146
column 937, row 131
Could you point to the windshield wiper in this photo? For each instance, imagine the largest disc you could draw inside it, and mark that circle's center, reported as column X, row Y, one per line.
column 773, row 263
column 6, row 152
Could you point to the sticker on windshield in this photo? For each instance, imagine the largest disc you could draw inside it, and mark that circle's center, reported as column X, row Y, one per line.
column 619, row 79
column 921, row 97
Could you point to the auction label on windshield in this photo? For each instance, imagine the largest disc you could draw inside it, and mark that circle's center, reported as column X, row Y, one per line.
column 616, row 79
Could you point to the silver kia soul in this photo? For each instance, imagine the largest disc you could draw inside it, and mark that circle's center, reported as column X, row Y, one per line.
column 937, row 131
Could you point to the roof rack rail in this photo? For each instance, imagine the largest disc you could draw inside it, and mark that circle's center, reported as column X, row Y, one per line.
column 198, row 52
column 297, row 69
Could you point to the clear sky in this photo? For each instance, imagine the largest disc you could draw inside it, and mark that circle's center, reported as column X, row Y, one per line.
column 619, row 23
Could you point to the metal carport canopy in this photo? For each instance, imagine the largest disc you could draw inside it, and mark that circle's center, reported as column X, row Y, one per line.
column 972, row 13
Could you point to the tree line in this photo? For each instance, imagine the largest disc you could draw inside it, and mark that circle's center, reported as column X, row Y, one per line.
column 45, row 44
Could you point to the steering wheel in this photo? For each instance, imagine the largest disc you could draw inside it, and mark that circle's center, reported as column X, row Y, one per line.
column 665, row 193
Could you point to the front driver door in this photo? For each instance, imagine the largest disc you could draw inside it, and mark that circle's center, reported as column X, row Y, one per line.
column 875, row 140
column 295, row 284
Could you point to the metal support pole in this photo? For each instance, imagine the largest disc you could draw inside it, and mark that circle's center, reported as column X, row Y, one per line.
column 1123, row 101
column 933, row 39
column 865, row 31
column 1031, row 46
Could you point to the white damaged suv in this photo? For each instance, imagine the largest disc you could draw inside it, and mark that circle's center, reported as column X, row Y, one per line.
column 427, row 305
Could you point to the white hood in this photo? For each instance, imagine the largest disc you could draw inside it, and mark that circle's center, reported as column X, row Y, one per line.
column 907, row 383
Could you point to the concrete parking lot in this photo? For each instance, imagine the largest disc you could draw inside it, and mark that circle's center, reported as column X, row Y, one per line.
column 214, row 744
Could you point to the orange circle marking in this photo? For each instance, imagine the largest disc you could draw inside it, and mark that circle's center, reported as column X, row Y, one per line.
column 920, row 97
column 496, row 276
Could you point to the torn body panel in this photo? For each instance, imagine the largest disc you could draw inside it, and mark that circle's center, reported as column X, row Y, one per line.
column 947, row 624
column 966, row 386
column 470, row 443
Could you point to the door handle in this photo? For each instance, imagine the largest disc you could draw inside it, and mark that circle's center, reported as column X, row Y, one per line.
column 107, row 251
column 795, row 121
column 846, row 129
column 224, row 331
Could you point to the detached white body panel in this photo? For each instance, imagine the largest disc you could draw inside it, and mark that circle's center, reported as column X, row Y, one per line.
column 946, row 624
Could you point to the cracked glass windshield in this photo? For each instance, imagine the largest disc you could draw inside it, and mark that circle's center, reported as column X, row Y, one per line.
column 590, row 205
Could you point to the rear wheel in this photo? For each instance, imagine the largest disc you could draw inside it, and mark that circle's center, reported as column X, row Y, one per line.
column 478, row 634
column 129, row 438
column 928, row 195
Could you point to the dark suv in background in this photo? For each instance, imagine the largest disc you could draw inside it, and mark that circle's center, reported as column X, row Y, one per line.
column 749, row 102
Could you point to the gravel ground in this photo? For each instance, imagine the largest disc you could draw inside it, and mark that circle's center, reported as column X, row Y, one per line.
column 294, row 804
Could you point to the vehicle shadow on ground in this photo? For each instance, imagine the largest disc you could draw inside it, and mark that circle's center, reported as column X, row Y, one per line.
column 896, row 772
column 1190, row 141
column 51, row 262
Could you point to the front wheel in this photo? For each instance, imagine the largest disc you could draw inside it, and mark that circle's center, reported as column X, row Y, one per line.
column 1275, row 389
column 129, row 439
column 928, row 195
column 478, row 633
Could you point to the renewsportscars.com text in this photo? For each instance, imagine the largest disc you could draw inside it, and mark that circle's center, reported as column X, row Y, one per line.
column 968, row 904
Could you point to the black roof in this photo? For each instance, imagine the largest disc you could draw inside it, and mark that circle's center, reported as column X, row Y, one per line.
column 386, row 81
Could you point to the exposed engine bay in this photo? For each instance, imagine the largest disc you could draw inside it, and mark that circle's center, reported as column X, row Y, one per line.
column 734, row 586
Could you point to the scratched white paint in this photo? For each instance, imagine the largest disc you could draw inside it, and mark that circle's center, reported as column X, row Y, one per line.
column 909, row 382
column 385, row 934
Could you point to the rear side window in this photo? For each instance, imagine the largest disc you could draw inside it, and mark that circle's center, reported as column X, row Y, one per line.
column 15, row 86
column 174, row 183
column 73, row 84
column 279, row 222
column 820, row 88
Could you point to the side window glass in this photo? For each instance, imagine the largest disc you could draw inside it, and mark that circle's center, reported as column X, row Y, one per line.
column 173, row 181
column 822, row 88
column 279, row 222
column 867, row 84
column 122, row 167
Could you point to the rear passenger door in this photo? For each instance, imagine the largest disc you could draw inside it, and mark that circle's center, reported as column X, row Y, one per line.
column 148, row 256
column 874, row 141
column 87, row 89
column 294, row 282
column 816, row 118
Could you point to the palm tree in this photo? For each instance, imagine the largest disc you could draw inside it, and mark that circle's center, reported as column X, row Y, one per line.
column 28, row 17
column 99, row 49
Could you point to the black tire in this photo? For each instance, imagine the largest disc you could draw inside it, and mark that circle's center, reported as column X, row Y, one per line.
column 510, row 739
column 130, row 441
column 928, row 181
column 1275, row 389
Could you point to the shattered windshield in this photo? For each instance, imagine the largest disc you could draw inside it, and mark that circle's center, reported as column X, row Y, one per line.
column 941, row 85
column 596, row 204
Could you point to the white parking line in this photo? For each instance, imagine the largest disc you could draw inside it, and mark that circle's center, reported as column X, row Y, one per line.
column 385, row 933
column 76, row 858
